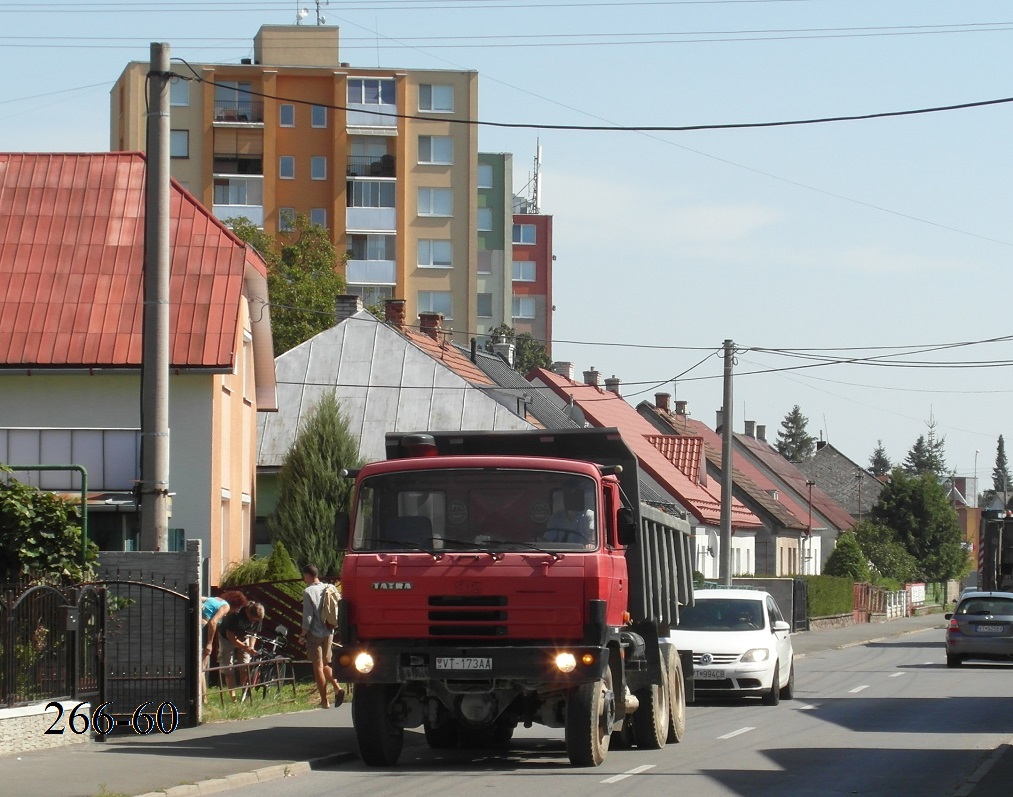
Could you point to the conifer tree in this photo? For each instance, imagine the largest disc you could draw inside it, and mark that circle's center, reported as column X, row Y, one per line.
column 879, row 462
column 1002, row 482
column 847, row 559
column 793, row 442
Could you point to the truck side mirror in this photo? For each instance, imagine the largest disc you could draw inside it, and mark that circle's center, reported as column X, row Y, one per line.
column 341, row 530
column 627, row 526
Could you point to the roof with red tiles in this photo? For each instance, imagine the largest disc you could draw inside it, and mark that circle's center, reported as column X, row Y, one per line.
column 71, row 269
column 603, row 408
column 686, row 453
column 441, row 349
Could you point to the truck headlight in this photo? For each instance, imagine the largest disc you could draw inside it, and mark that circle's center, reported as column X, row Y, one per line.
column 756, row 654
column 566, row 662
column 364, row 663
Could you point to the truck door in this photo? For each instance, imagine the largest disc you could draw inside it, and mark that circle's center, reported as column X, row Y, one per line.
column 614, row 564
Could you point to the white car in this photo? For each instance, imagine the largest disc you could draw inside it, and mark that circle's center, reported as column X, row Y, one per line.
column 741, row 644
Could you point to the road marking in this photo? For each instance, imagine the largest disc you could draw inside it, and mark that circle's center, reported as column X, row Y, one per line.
column 858, row 689
column 747, row 729
column 804, row 706
column 898, row 674
column 628, row 773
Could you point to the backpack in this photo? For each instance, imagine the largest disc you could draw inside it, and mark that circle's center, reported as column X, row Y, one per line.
column 329, row 606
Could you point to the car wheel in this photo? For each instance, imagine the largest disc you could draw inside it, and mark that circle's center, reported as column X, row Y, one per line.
column 952, row 661
column 773, row 696
column 788, row 690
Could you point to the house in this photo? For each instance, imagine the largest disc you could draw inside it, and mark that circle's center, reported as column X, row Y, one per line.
column 843, row 479
column 71, row 271
column 387, row 377
column 673, row 465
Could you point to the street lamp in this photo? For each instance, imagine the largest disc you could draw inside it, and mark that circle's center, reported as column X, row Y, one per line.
column 976, row 452
column 809, row 529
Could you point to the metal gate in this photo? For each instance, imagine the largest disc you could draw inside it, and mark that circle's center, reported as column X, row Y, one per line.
column 149, row 650
column 800, row 605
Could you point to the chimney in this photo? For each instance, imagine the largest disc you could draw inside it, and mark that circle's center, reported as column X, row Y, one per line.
column 820, row 444
column 563, row 369
column 431, row 324
column 592, row 377
column 504, row 350
column 751, row 429
column 682, row 408
column 761, row 432
column 614, row 385
column 474, row 350
column 663, row 401
column 393, row 312
column 719, row 420
column 345, row 306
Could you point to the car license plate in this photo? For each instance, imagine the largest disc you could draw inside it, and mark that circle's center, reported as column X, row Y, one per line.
column 990, row 629
column 464, row 663
column 709, row 675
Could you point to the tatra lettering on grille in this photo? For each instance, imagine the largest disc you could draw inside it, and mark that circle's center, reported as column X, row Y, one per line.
column 393, row 585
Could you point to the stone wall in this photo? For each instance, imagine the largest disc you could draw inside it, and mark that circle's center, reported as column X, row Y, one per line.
column 24, row 728
column 831, row 621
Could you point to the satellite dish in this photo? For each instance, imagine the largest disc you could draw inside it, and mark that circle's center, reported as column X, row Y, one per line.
column 301, row 14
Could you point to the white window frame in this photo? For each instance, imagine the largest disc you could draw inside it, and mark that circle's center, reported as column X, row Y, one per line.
column 286, row 108
column 435, row 253
column 283, row 161
column 484, row 217
column 177, row 139
column 359, row 97
column 318, row 167
column 524, row 307
column 486, row 175
column 371, row 190
column 179, row 92
column 524, row 271
column 436, row 150
column 318, row 116
column 436, row 98
column 318, row 216
column 436, row 302
column 286, row 219
column 436, row 202
column 520, row 230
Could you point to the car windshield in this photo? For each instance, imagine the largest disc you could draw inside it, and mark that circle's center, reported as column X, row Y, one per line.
column 722, row 614
column 476, row 509
column 986, row 605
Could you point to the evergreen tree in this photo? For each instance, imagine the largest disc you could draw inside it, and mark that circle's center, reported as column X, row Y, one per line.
column 918, row 459
column 847, row 559
column 879, row 462
column 793, row 442
column 311, row 490
column 917, row 509
column 528, row 352
column 302, row 278
column 1002, row 483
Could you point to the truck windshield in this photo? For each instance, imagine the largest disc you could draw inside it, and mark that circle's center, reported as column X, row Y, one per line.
column 488, row 509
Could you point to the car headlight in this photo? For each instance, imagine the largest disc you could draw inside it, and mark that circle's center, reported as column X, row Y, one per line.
column 756, row 654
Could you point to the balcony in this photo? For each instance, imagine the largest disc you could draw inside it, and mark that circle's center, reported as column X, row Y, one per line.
column 371, row 115
column 239, row 112
column 236, row 196
column 371, row 272
column 371, row 166
column 371, row 219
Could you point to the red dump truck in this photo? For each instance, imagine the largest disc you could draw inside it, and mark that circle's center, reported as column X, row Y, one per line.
column 995, row 554
column 500, row 578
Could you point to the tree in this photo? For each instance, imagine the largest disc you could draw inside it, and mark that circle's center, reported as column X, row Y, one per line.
column 793, row 442
column 311, row 490
column 879, row 462
column 40, row 536
column 302, row 278
column 885, row 552
column 1002, row 483
column 918, row 510
column 847, row 559
column 528, row 352
column 927, row 455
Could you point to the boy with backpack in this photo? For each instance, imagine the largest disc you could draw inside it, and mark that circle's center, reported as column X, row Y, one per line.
column 319, row 619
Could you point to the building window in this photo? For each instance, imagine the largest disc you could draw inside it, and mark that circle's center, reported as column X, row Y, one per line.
column 286, row 115
column 435, row 254
column 318, row 116
column 318, row 216
column 371, row 247
column 436, row 202
column 436, row 302
column 524, row 307
column 318, row 167
column 286, row 168
column 485, row 175
column 372, row 294
column 286, row 219
column 524, row 271
column 370, row 194
column 484, row 305
column 179, row 91
column 436, row 98
column 484, row 219
column 524, row 233
column 371, row 91
column 436, row 149
column 179, row 143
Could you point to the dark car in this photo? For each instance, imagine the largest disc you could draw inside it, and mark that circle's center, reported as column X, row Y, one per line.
column 981, row 627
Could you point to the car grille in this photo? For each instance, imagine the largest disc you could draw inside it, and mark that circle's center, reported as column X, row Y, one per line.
column 717, row 659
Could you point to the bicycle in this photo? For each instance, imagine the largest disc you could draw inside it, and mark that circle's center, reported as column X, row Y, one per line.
column 267, row 666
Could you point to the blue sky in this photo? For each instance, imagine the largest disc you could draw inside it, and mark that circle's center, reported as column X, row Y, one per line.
column 844, row 237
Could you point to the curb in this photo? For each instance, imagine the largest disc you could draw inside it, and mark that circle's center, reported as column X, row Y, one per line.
column 252, row 777
column 968, row 786
column 856, row 643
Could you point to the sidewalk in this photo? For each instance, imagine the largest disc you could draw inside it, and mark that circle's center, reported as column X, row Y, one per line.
column 227, row 755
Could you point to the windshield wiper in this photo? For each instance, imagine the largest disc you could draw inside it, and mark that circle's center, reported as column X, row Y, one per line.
column 416, row 546
column 464, row 545
column 531, row 546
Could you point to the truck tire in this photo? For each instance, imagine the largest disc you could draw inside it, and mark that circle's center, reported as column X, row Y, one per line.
column 676, row 696
column 380, row 740
column 590, row 715
column 651, row 720
column 442, row 737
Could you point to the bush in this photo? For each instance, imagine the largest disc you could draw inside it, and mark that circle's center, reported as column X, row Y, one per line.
column 829, row 595
column 250, row 571
column 847, row 559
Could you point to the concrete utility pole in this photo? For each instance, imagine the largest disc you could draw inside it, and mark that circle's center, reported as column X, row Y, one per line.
column 155, row 338
column 725, row 562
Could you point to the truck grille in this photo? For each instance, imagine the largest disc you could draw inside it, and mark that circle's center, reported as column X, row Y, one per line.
column 467, row 615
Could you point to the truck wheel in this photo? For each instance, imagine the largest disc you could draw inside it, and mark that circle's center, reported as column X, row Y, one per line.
column 590, row 715
column 773, row 696
column 651, row 720
column 676, row 696
column 380, row 740
column 442, row 737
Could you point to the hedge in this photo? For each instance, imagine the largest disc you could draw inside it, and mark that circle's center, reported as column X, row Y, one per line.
column 830, row 595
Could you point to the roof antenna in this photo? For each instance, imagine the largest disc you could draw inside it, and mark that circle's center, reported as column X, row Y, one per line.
column 301, row 14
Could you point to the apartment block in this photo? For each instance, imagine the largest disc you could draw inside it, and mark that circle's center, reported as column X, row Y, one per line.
column 382, row 157
column 531, row 274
